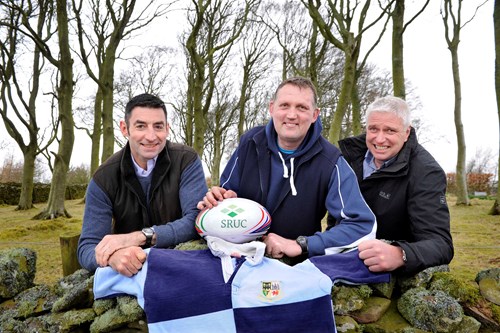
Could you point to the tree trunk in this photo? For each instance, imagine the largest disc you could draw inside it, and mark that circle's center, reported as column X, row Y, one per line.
column 356, row 111
column 55, row 205
column 26, row 197
column 453, row 40
column 344, row 98
column 96, row 133
column 495, row 209
column 398, row 75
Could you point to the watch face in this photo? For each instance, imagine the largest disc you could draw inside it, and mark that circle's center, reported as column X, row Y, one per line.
column 148, row 232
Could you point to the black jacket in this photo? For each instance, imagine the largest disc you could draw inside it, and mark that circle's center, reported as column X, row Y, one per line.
column 408, row 198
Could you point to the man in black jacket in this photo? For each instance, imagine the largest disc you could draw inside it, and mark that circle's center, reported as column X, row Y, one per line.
column 405, row 187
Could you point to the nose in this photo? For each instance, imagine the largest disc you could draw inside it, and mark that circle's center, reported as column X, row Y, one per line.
column 380, row 137
column 292, row 113
column 150, row 134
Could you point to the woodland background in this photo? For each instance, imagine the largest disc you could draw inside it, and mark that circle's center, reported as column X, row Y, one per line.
column 68, row 66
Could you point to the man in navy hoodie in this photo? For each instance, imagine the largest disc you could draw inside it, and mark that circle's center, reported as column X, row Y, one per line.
column 144, row 195
column 288, row 167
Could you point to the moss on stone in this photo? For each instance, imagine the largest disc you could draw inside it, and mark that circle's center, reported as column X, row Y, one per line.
column 433, row 311
column 76, row 293
column 102, row 305
column 129, row 307
column 76, row 318
column 384, row 289
column 349, row 298
column 197, row 244
column 493, row 273
column 346, row 324
column 456, row 287
column 391, row 321
column 495, row 312
column 17, row 271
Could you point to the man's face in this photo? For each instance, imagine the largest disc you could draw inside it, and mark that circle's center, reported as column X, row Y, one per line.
column 147, row 132
column 293, row 113
column 385, row 135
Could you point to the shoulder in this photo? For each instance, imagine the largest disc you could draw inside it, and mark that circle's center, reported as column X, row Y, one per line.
column 253, row 133
column 328, row 151
column 179, row 148
column 111, row 164
column 421, row 158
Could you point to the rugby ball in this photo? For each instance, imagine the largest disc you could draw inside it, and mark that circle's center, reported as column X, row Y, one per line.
column 234, row 220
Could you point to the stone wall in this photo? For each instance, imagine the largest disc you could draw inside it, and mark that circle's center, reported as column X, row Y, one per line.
column 431, row 301
column 10, row 192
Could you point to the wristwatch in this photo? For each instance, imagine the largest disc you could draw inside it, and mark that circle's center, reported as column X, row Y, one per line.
column 148, row 232
column 302, row 241
column 405, row 260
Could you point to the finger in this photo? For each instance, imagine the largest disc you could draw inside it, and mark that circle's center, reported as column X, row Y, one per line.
column 141, row 256
column 278, row 255
column 230, row 194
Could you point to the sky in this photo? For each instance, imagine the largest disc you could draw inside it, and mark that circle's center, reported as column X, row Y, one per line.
column 428, row 68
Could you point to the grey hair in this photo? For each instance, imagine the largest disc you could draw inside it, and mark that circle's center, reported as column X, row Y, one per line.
column 392, row 104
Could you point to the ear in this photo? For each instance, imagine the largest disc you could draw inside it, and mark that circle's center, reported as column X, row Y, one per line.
column 271, row 105
column 315, row 114
column 407, row 133
column 167, row 129
column 123, row 128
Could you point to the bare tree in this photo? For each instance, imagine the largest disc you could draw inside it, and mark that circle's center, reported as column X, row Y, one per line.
column 398, row 29
column 345, row 14
column 111, row 22
column 452, row 20
column 13, row 95
column 64, row 64
column 215, row 26
column 256, row 63
column 495, row 209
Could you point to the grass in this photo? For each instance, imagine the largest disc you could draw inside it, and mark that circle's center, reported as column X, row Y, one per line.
column 475, row 234
column 17, row 229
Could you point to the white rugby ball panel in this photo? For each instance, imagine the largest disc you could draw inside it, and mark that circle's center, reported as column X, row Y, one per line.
column 235, row 220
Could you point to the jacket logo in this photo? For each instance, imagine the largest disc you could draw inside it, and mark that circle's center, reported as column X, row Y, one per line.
column 384, row 195
column 271, row 291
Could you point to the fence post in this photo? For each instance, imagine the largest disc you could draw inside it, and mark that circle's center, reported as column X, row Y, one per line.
column 69, row 244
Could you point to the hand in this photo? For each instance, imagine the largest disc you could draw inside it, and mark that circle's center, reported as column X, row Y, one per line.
column 277, row 246
column 214, row 195
column 379, row 256
column 128, row 261
column 112, row 243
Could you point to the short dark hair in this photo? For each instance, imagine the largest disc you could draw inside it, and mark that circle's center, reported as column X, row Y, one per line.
column 144, row 100
column 300, row 82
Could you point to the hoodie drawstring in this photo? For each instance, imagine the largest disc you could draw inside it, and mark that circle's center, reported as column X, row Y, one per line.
column 285, row 173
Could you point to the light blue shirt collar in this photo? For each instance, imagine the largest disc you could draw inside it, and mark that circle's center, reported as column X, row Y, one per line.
column 140, row 172
column 369, row 166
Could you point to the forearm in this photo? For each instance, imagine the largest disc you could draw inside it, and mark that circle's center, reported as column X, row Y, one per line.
column 96, row 224
column 356, row 222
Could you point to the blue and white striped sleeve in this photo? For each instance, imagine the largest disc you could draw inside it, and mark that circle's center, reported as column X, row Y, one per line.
column 356, row 221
